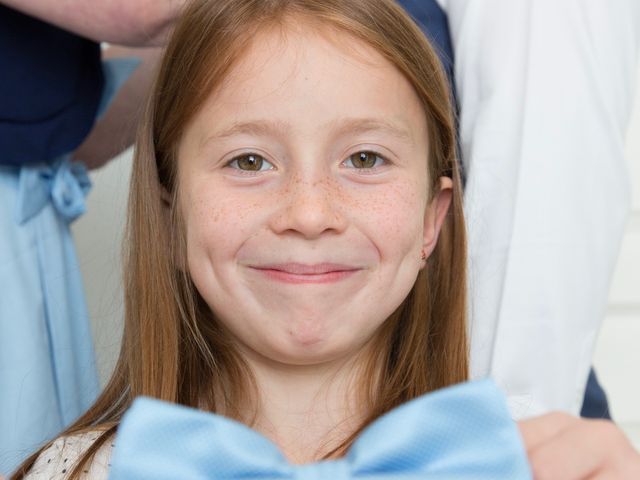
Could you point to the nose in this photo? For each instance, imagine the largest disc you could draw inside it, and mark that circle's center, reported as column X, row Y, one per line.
column 310, row 208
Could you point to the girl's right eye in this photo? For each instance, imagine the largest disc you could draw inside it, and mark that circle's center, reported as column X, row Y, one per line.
column 250, row 162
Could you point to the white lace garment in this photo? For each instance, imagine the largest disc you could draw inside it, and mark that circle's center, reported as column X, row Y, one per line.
column 57, row 461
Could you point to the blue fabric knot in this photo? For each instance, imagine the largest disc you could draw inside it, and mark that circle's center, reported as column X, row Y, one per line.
column 333, row 469
column 64, row 183
column 461, row 432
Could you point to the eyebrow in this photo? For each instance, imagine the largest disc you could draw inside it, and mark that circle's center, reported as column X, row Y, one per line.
column 344, row 126
column 366, row 125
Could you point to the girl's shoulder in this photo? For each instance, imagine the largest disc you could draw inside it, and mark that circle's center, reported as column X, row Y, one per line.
column 58, row 461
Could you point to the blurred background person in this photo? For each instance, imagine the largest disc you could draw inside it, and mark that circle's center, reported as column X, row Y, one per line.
column 545, row 91
column 52, row 88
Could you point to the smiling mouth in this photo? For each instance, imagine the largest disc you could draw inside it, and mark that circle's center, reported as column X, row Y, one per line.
column 298, row 273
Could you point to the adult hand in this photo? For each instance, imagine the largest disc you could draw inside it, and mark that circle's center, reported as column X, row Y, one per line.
column 563, row 447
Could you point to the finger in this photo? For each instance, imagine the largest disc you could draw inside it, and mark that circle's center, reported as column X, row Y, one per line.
column 624, row 464
column 538, row 430
column 607, row 476
column 581, row 451
column 630, row 472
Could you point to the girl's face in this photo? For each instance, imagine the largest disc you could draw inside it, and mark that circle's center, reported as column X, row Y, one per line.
column 303, row 185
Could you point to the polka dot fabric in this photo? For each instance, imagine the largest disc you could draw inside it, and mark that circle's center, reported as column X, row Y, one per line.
column 57, row 461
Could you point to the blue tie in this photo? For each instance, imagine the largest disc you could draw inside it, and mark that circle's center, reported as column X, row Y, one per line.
column 460, row 432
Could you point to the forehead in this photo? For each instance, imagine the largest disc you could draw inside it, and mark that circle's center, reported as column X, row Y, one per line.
column 305, row 78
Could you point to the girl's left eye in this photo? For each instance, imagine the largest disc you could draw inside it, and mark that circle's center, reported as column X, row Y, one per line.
column 250, row 162
column 365, row 160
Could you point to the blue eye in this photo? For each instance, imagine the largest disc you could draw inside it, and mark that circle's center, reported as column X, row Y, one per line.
column 250, row 162
column 365, row 160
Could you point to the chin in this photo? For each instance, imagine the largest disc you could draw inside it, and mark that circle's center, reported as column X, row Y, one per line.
column 306, row 358
column 311, row 349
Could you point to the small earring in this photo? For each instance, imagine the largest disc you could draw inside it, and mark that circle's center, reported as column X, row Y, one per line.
column 424, row 255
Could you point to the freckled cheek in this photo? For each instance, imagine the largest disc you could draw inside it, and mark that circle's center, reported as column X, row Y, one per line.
column 217, row 222
column 393, row 218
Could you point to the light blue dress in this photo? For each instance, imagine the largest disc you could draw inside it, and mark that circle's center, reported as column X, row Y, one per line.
column 47, row 365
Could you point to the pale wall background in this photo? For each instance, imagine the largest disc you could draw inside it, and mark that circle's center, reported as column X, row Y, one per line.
column 617, row 358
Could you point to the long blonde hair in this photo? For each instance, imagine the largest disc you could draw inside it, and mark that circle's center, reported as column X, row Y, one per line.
column 173, row 348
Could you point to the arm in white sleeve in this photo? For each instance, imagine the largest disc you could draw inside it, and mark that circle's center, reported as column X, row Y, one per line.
column 545, row 89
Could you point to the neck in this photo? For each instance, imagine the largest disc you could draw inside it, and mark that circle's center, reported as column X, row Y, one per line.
column 307, row 410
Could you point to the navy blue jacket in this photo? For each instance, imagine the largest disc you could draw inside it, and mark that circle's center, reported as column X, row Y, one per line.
column 433, row 21
column 50, row 87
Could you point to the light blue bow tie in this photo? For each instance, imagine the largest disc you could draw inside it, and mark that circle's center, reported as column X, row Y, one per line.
column 461, row 432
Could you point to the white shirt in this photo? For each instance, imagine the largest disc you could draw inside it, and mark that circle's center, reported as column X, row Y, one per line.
column 545, row 90
column 57, row 461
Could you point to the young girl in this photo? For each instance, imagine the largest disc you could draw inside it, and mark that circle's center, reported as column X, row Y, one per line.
column 295, row 257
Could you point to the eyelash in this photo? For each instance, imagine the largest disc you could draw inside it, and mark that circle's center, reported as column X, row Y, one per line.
column 246, row 172
column 385, row 161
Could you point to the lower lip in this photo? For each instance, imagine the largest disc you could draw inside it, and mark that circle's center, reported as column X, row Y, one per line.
column 286, row 277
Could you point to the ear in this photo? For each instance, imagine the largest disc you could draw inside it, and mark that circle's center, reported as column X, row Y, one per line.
column 435, row 214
